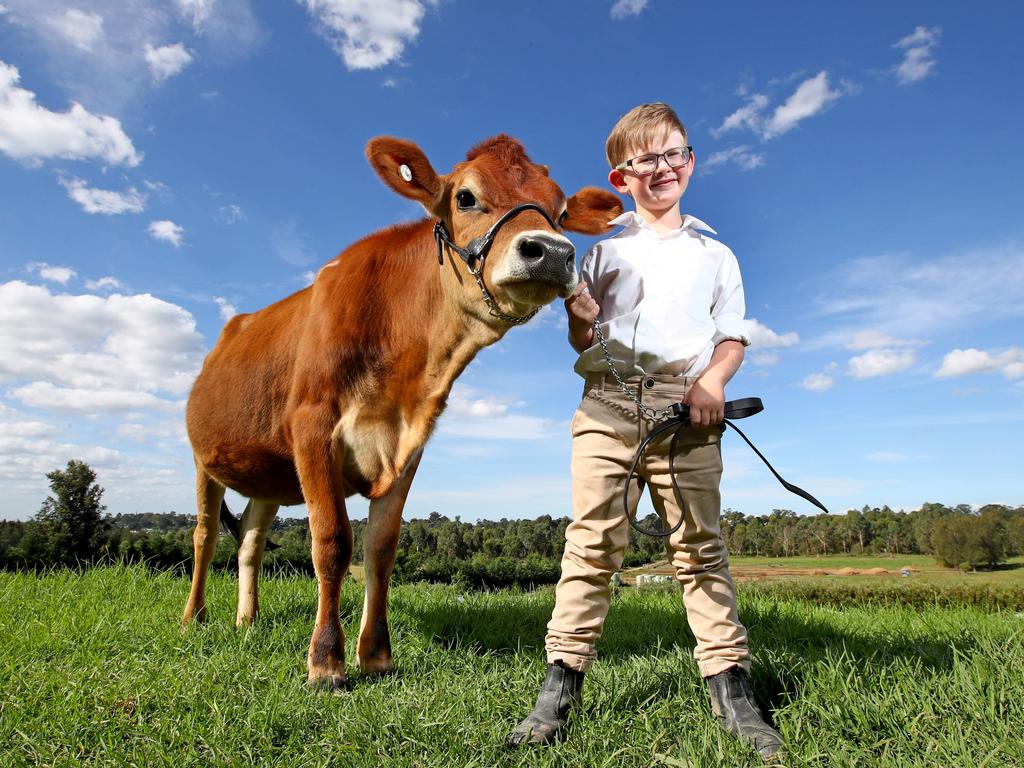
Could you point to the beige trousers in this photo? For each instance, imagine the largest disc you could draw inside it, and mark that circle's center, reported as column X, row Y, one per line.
column 606, row 431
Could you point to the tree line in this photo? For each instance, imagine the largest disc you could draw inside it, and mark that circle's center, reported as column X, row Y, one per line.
column 72, row 530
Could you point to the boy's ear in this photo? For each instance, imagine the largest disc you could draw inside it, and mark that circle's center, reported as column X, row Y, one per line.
column 590, row 210
column 618, row 181
column 403, row 167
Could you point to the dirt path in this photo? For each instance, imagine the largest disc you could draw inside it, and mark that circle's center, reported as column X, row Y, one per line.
column 764, row 573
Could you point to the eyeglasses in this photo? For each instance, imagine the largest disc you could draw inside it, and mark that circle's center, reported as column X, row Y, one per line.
column 644, row 165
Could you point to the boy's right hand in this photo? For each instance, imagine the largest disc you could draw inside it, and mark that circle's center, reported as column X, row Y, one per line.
column 581, row 307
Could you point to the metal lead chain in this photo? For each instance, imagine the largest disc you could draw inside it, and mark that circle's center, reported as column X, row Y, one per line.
column 651, row 413
column 492, row 305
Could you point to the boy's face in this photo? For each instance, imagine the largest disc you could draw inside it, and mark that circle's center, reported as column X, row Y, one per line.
column 661, row 190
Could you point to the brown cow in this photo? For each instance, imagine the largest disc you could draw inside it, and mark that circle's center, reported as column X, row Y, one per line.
column 335, row 389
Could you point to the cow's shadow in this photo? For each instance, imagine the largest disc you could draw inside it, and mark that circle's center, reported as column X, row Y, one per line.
column 779, row 635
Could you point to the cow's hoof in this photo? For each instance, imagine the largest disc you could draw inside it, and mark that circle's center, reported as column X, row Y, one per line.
column 329, row 683
column 192, row 615
column 377, row 667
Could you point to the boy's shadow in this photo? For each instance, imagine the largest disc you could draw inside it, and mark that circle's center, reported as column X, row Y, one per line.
column 634, row 630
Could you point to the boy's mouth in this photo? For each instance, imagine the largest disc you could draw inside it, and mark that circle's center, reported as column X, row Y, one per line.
column 663, row 182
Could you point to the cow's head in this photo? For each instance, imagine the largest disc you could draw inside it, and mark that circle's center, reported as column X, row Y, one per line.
column 530, row 261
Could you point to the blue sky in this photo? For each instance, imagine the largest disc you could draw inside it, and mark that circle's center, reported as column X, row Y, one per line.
column 165, row 166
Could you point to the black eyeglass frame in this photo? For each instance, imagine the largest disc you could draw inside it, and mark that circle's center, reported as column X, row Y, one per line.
column 657, row 156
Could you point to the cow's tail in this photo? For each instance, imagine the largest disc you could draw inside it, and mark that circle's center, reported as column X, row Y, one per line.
column 230, row 523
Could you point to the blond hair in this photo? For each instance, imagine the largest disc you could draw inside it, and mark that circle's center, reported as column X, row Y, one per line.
column 639, row 127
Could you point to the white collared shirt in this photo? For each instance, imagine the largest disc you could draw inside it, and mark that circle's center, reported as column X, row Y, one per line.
column 666, row 300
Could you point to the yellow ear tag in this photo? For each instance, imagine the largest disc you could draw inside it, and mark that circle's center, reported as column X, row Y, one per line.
column 405, row 172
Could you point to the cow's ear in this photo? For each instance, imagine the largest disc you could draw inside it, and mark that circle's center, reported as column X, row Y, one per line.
column 403, row 167
column 590, row 210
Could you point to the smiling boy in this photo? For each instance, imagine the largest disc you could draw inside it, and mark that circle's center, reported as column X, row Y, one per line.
column 669, row 300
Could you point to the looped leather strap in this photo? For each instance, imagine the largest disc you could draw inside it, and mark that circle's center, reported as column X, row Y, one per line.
column 734, row 409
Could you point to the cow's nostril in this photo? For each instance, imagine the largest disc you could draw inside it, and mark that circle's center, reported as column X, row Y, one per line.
column 570, row 262
column 531, row 249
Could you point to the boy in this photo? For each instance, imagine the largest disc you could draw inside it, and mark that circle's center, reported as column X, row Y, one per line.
column 671, row 306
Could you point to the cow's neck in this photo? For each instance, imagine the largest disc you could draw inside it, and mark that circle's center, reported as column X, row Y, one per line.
column 454, row 327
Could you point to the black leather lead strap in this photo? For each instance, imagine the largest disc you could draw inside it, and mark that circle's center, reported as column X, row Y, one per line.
column 734, row 409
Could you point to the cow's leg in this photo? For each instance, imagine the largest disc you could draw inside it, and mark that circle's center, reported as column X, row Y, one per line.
column 379, row 544
column 209, row 495
column 253, row 531
column 317, row 462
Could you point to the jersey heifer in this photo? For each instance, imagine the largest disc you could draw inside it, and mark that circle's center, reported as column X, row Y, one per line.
column 335, row 389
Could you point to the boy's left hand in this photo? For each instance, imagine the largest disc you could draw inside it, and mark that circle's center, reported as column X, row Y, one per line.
column 706, row 399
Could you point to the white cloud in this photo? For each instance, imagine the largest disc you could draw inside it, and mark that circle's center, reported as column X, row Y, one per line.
column 109, row 70
column 291, row 245
column 747, row 116
column 31, row 133
column 918, row 54
column 82, row 29
column 92, row 354
column 741, row 156
column 811, row 97
column 906, row 298
column 49, row 272
column 764, row 358
column 103, row 284
column 167, row 231
column 487, row 417
column 880, row 362
column 43, row 394
column 549, row 316
column 197, row 12
column 762, row 337
column 817, row 382
column 144, row 433
column 23, row 428
column 462, row 402
column 870, row 338
column 167, row 60
column 367, row 33
column 227, row 311
column 104, row 201
column 622, row 9
column 231, row 214
column 16, row 449
column 960, row 362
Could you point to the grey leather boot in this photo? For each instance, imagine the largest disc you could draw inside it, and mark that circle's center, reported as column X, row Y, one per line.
column 732, row 701
column 561, row 692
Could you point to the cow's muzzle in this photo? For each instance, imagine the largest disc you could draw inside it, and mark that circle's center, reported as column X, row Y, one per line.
column 539, row 257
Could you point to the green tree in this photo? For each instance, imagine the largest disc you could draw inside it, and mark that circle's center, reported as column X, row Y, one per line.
column 72, row 519
column 972, row 540
column 924, row 521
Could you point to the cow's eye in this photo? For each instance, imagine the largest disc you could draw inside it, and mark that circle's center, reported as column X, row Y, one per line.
column 562, row 218
column 464, row 199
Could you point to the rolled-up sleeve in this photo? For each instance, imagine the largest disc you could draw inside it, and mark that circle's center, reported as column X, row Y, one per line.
column 729, row 307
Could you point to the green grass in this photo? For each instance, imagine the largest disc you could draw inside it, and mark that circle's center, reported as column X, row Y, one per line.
column 94, row 671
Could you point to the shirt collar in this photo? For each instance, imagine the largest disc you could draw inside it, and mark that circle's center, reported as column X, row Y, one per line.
column 634, row 219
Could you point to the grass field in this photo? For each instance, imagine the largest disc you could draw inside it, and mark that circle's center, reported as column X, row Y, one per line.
column 94, row 671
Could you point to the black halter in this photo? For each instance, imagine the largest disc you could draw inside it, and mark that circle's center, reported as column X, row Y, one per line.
column 475, row 253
